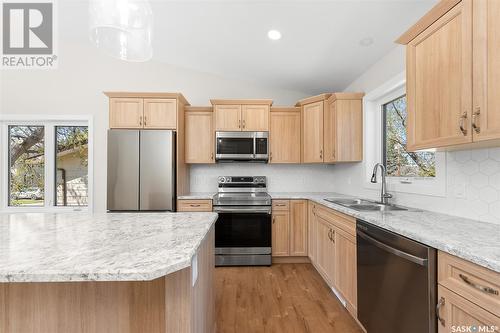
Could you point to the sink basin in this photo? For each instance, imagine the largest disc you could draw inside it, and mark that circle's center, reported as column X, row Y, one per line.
column 365, row 205
column 376, row 207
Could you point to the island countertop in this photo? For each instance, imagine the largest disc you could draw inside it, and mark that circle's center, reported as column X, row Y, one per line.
column 55, row 247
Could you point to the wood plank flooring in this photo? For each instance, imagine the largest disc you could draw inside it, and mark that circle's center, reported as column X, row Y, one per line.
column 282, row 298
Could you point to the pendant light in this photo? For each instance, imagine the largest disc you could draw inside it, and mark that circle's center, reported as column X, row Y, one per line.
column 122, row 28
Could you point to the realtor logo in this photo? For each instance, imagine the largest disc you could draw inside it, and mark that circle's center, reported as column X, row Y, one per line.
column 28, row 35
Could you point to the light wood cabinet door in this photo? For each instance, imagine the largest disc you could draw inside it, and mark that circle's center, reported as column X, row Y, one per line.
column 228, row 117
column 280, row 233
column 194, row 205
column 325, row 256
column 312, row 132
column 298, row 227
column 255, row 117
column 199, row 136
column 160, row 113
column 345, row 272
column 284, row 141
column 486, row 107
column 126, row 112
column 439, row 81
column 455, row 311
column 311, row 232
column 344, row 131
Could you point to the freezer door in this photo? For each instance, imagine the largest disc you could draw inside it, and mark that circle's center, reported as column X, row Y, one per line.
column 157, row 170
column 123, row 170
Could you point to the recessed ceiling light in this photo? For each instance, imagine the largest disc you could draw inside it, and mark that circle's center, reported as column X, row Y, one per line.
column 366, row 41
column 274, row 34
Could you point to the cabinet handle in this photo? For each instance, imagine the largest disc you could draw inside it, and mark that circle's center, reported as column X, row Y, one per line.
column 462, row 119
column 274, row 220
column 333, row 237
column 193, row 205
column 145, row 121
column 212, row 156
column 330, row 234
column 333, row 153
column 239, row 123
column 484, row 289
column 321, row 154
column 475, row 115
column 244, row 123
column 438, row 308
column 270, row 156
column 140, row 120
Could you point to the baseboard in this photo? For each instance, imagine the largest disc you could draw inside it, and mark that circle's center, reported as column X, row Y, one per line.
column 291, row 260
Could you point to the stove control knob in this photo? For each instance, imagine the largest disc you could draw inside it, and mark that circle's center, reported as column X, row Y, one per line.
column 222, row 179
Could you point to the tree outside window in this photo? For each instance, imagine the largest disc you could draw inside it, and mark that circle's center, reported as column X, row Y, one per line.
column 398, row 160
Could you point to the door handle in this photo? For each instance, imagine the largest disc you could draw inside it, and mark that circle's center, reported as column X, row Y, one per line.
column 396, row 252
column 440, row 304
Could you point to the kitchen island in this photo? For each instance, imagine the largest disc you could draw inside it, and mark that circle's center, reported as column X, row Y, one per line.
column 126, row 272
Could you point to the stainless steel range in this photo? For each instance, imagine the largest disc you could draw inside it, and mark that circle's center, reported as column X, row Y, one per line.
column 243, row 229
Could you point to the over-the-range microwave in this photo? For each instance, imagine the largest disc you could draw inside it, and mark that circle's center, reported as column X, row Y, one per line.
column 242, row 146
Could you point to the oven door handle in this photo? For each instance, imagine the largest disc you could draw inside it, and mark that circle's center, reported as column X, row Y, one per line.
column 387, row 248
column 242, row 209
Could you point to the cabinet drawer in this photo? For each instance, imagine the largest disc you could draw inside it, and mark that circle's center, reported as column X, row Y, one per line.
column 340, row 220
column 281, row 204
column 194, row 205
column 475, row 283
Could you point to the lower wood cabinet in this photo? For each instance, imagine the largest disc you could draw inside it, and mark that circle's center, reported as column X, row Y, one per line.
column 346, row 272
column 289, row 230
column 194, row 205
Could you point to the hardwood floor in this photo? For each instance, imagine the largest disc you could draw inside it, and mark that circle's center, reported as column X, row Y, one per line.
column 282, row 298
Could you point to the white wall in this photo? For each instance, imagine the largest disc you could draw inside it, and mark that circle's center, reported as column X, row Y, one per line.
column 475, row 173
column 84, row 73
column 281, row 178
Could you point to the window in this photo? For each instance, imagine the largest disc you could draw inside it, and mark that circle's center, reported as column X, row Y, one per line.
column 398, row 161
column 46, row 165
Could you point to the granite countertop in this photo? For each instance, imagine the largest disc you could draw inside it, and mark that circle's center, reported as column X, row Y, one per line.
column 197, row 196
column 475, row 241
column 44, row 247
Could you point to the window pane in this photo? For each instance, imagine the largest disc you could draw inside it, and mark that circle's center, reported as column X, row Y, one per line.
column 400, row 162
column 26, row 165
column 71, row 165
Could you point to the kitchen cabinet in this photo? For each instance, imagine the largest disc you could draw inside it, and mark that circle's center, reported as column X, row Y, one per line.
column 453, row 75
column 194, row 205
column 311, row 231
column 343, row 128
column 241, row 115
column 312, row 132
column 298, row 227
column 486, row 70
column 325, row 255
column 280, row 233
column 200, row 143
column 160, row 113
column 345, row 272
column 149, row 113
column 290, row 230
column 455, row 311
column 126, row 112
column 284, row 135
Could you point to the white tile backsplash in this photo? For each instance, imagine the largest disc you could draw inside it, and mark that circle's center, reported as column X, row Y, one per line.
column 280, row 177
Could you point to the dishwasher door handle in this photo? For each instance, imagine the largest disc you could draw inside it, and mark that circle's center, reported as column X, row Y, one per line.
column 387, row 248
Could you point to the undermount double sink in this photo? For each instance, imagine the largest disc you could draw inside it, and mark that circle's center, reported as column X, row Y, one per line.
column 363, row 205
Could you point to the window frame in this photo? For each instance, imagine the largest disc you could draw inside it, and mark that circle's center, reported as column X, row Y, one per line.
column 49, row 122
column 374, row 145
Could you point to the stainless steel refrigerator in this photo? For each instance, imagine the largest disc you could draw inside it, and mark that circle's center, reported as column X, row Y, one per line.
column 141, row 170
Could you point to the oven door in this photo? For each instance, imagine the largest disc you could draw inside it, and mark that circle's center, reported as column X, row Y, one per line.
column 243, row 230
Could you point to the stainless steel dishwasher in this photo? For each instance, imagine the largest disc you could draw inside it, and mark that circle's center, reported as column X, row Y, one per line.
column 396, row 282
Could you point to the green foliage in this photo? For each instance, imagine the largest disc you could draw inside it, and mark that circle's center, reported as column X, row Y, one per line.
column 399, row 161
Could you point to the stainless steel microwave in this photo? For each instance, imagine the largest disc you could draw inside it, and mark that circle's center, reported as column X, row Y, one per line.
column 242, row 146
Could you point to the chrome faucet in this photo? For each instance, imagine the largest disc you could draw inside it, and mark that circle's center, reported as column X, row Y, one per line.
column 384, row 196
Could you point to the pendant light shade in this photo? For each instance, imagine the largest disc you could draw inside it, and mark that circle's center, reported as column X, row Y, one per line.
column 122, row 28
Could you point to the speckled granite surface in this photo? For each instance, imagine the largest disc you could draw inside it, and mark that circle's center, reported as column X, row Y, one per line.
column 478, row 242
column 105, row 247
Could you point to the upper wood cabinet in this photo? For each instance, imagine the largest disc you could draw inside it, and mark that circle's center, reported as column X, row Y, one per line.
column 343, row 128
column 284, row 135
column 453, row 75
column 144, row 110
column 160, row 113
column 486, row 60
column 241, row 115
column 199, row 144
column 126, row 112
column 312, row 129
